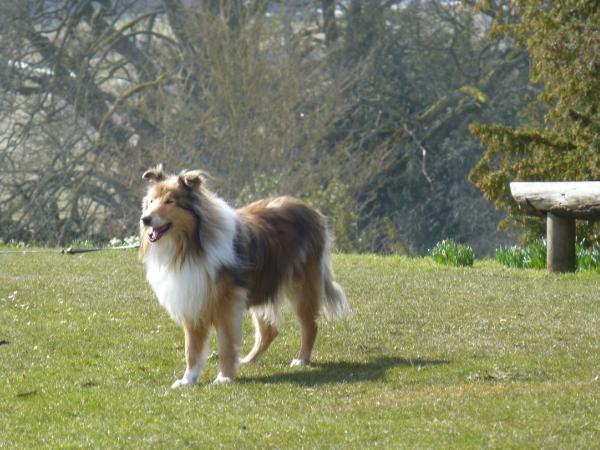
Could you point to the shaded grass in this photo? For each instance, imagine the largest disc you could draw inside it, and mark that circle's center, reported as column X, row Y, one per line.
column 432, row 357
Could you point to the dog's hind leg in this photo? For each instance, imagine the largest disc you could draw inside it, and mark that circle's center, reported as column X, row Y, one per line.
column 264, row 333
column 196, row 352
column 306, row 300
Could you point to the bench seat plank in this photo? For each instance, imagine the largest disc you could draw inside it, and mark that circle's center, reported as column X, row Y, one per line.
column 575, row 199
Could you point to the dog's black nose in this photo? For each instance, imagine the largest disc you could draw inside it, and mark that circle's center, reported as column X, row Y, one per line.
column 146, row 220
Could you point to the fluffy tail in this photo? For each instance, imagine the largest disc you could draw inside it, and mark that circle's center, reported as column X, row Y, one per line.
column 335, row 305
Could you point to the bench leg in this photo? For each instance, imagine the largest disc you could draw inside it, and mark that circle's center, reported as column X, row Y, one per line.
column 560, row 236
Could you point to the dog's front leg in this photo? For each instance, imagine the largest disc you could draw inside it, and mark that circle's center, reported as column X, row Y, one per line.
column 229, row 317
column 196, row 352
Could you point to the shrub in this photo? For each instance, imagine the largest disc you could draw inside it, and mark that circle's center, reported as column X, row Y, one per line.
column 535, row 254
column 450, row 253
column 588, row 258
column 13, row 244
column 532, row 256
column 511, row 256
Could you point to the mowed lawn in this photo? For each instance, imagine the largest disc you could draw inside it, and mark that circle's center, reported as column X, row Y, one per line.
column 431, row 357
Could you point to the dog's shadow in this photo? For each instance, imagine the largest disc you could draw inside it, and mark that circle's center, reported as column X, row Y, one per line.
column 341, row 372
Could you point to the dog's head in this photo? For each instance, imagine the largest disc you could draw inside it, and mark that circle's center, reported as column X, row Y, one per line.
column 169, row 204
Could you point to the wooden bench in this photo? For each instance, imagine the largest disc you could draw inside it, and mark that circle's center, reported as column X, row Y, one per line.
column 561, row 203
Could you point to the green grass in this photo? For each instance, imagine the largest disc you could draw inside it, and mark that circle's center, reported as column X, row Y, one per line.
column 433, row 357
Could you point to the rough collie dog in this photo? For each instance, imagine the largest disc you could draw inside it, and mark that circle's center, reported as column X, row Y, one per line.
column 207, row 263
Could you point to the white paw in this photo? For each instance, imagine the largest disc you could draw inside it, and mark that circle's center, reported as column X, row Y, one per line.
column 182, row 383
column 221, row 379
column 296, row 362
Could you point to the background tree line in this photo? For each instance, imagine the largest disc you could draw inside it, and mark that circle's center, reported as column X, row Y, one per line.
column 362, row 107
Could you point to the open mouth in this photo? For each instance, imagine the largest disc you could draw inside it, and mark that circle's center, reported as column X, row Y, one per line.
column 159, row 232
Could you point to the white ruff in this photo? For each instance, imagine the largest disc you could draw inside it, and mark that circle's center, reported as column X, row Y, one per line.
column 184, row 290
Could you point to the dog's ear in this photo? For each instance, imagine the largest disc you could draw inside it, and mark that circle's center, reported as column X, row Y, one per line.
column 155, row 175
column 191, row 179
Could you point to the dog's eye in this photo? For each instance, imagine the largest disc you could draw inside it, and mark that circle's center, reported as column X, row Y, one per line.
column 169, row 201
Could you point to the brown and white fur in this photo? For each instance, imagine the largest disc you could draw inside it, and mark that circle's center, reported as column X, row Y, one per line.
column 207, row 263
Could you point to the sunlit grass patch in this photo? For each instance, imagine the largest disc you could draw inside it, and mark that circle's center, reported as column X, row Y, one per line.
column 432, row 356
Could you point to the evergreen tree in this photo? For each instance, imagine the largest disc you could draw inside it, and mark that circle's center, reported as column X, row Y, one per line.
column 560, row 138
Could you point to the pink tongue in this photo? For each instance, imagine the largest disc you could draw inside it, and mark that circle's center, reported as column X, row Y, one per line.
column 157, row 233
